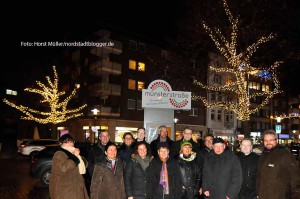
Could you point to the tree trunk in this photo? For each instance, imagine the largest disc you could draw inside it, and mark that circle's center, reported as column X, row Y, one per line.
column 54, row 133
column 246, row 128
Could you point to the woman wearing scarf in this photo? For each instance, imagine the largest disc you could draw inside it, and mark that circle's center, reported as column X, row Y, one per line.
column 107, row 181
column 135, row 174
column 163, row 181
column 66, row 179
column 189, row 171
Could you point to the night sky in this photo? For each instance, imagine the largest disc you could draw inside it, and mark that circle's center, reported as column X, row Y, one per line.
column 57, row 23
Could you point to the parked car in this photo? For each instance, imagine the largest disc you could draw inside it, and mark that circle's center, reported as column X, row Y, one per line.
column 41, row 163
column 30, row 147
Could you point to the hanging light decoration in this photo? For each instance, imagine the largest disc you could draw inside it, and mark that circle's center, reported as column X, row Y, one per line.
column 58, row 111
column 239, row 67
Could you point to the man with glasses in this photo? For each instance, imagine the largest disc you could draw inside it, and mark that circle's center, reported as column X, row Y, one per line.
column 140, row 137
column 97, row 151
column 278, row 174
column 187, row 136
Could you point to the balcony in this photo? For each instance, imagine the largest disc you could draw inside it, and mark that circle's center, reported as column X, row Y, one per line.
column 101, row 89
column 107, row 66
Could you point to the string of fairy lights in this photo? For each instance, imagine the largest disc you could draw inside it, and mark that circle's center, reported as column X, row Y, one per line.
column 58, row 112
column 239, row 68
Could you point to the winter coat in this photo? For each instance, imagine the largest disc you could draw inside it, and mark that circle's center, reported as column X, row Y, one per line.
column 95, row 154
column 154, row 144
column 175, row 150
column 65, row 180
column 108, row 184
column 278, row 175
column 135, row 180
column 125, row 152
column 190, row 176
column 249, row 165
column 154, row 189
column 222, row 175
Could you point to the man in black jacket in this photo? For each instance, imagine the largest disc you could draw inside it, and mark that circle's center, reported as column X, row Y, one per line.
column 187, row 136
column 249, row 162
column 96, row 152
column 162, row 137
column 222, row 173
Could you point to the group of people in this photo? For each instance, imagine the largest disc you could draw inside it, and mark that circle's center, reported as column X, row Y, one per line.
column 166, row 169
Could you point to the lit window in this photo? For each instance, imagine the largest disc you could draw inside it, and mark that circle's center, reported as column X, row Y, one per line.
column 141, row 66
column 11, row 92
column 141, row 85
column 132, row 64
column 131, row 84
column 131, row 104
column 142, row 47
column 228, row 80
column 265, row 88
column 132, row 45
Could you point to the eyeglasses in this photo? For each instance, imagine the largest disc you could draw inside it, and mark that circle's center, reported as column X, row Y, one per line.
column 270, row 140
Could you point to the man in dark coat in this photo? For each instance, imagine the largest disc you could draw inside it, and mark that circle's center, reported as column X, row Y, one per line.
column 141, row 134
column 187, row 136
column 222, row 173
column 162, row 137
column 249, row 162
column 97, row 152
column 278, row 173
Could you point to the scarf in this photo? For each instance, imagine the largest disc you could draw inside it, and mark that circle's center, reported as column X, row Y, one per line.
column 164, row 178
column 188, row 158
column 143, row 162
column 81, row 165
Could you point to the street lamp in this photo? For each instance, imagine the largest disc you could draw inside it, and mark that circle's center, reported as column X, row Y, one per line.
column 94, row 128
column 175, row 122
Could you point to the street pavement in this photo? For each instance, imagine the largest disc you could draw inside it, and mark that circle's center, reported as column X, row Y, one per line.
column 15, row 181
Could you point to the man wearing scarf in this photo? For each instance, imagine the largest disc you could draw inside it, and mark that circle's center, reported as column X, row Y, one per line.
column 163, row 181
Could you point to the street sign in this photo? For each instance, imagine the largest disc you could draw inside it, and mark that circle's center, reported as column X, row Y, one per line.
column 278, row 128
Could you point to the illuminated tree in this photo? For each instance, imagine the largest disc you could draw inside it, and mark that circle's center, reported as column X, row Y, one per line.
column 58, row 111
column 239, row 68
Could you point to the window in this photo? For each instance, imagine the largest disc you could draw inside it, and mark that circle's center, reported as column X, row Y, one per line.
column 229, row 116
column 131, row 104
column 212, row 96
column 139, row 105
column 212, row 114
column 132, row 45
column 141, row 66
column 254, row 85
column 217, row 78
column 193, row 112
column 132, row 64
column 219, row 116
column 228, row 80
column 141, row 85
column 131, row 84
column 11, row 92
column 265, row 88
column 142, row 48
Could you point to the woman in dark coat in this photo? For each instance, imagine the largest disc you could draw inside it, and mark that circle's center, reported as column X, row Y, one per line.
column 107, row 181
column 135, row 173
column 189, row 171
column 66, row 180
column 163, row 180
